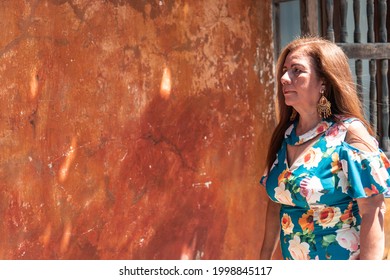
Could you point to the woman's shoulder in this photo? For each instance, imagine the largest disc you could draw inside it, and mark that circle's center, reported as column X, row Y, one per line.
column 357, row 135
column 350, row 133
column 347, row 121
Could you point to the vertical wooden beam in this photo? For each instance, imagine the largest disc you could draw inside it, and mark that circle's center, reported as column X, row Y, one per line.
column 382, row 21
column 373, row 109
column 356, row 16
column 309, row 17
column 384, row 79
column 370, row 21
column 343, row 14
column 373, row 96
column 385, row 105
column 359, row 80
column 329, row 20
column 357, row 39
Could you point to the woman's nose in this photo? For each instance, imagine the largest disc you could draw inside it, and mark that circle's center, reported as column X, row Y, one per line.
column 285, row 78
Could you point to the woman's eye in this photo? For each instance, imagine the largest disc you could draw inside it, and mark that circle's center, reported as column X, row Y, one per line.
column 296, row 71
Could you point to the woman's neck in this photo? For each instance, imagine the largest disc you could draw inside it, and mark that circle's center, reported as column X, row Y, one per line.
column 307, row 122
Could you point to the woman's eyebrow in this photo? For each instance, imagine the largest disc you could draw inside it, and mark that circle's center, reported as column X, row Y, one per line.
column 293, row 65
column 297, row 64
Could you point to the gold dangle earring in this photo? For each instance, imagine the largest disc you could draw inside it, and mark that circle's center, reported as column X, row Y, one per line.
column 323, row 106
column 293, row 115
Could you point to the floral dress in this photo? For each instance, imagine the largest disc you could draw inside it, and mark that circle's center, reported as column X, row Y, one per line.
column 319, row 214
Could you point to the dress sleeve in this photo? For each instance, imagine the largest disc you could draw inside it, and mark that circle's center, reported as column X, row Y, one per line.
column 367, row 173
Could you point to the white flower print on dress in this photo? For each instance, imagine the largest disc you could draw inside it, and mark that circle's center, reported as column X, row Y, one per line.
column 343, row 182
column 298, row 250
column 289, row 130
column 335, row 135
column 378, row 172
column 328, row 217
column 283, row 195
column 312, row 158
column 348, row 238
column 311, row 188
column 344, row 166
column 356, row 156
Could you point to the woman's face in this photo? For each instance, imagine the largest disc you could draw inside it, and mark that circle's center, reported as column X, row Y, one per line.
column 300, row 83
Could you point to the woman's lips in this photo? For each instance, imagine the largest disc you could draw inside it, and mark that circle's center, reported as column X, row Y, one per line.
column 288, row 91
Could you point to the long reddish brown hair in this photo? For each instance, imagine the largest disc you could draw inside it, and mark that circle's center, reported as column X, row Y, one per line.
column 330, row 64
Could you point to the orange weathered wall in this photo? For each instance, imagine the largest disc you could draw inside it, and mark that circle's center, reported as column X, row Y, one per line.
column 134, row 129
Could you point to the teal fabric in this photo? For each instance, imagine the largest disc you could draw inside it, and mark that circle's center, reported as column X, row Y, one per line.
column 319, row 214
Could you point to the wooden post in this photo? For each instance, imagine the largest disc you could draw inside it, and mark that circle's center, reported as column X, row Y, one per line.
column 329, row 20
column 356, row 16
column 343, row 14
column 309, row 17
column 372, row 68
column 384, row 82
column 370, row 21
column 373, row 95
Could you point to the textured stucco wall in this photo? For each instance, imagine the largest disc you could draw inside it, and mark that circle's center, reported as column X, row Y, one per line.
column 133, row 129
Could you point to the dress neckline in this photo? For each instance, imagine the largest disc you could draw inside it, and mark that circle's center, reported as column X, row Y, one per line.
column 293, row 139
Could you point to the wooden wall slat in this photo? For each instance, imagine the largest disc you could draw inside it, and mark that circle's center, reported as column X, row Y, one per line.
column 329, row 20
column 343, row 21
column 370, row 21
column 373, row 96
column 366, row 50
column 356, row 16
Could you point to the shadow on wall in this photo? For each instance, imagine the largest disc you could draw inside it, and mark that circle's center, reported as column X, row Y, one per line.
column 171, row 190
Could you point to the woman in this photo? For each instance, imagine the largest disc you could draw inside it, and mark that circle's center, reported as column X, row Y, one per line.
column 326, row 175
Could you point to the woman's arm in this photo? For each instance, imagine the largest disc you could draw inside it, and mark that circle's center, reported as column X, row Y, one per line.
column 372, row 239
column 272, row 228
column 372, row 209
